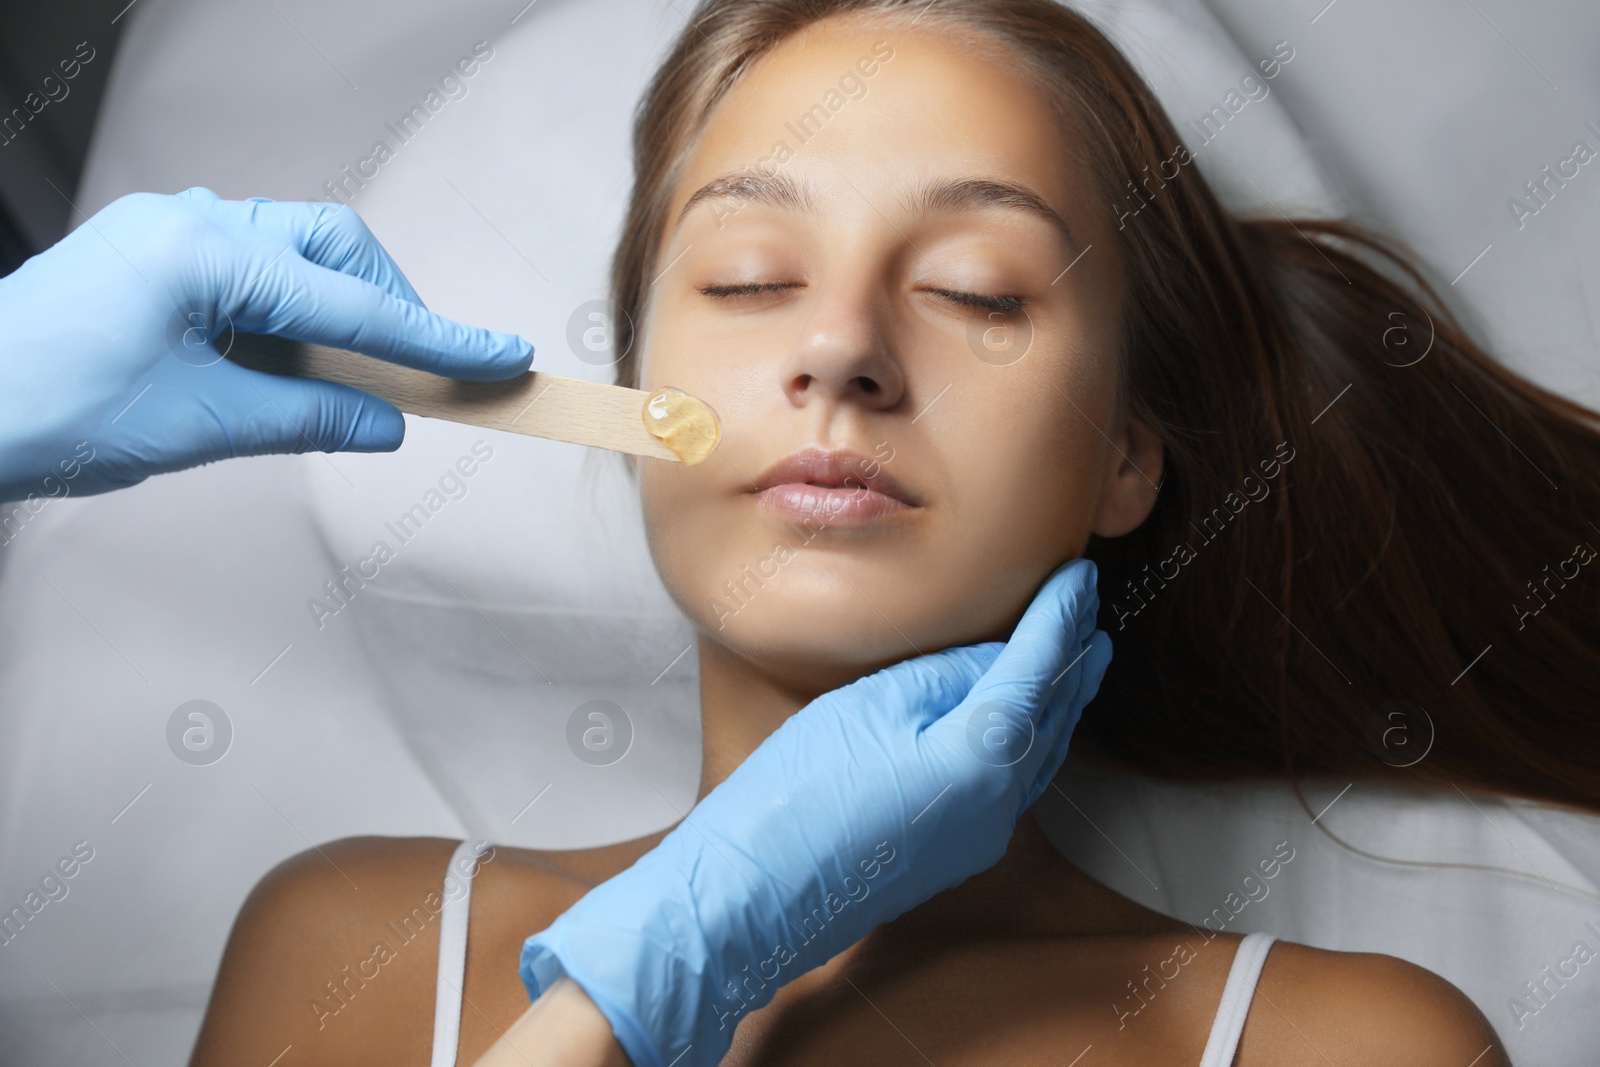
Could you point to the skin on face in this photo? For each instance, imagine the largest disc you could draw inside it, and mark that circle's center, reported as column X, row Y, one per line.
column 1004, row 425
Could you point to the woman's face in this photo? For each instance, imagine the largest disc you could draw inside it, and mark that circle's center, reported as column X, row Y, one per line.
column 907, row 285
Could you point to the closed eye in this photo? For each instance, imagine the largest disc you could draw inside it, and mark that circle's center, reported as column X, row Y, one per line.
column 1001, row 303
column 730, row 291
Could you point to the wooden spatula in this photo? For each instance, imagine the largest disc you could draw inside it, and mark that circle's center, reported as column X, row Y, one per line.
column 536, row 403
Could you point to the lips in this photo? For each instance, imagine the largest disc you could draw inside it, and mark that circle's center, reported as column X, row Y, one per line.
column 833, row 487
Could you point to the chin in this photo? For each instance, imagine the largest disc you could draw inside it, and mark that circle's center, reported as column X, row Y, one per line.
column 813, row 658
column 816, row 631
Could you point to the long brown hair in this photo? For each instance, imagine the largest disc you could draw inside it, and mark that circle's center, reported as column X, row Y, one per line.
column 1366, row 524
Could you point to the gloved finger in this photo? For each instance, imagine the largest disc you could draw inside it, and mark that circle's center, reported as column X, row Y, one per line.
column 1089, row 620
column 1071, row 687
column 329, row 235
column 1091, row 670
column 1044, row 643
column 264, row 414
column 294, row 298
column 925, row 688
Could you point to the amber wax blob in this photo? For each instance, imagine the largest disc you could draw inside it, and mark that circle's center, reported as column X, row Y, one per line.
column 684, row 423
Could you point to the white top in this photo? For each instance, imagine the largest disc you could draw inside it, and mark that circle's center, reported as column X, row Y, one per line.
column 452, row 954
column 1220, row 1046
column 1236, row 996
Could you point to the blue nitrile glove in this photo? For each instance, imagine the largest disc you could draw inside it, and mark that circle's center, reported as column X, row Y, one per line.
column 865, row 803
column 108, row 374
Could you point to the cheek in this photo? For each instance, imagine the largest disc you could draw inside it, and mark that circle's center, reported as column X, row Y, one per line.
column 665, row 504
column 693, row 535
column 1030, row 476
column 1023, row 510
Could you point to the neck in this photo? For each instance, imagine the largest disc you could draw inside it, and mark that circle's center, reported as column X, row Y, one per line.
column 740, row 706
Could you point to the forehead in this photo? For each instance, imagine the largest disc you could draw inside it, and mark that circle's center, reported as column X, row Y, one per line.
column 851, row 103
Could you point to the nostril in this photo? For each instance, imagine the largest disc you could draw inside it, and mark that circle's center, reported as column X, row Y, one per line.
column 867, row 384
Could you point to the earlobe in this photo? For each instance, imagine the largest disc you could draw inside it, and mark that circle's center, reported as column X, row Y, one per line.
column 1137, row 466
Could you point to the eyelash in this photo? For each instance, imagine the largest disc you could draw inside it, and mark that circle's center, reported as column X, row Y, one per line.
column 724, row 292
column 1002, row 303
column 999, row 303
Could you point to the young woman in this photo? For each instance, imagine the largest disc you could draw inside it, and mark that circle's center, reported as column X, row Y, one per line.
column 954, row 249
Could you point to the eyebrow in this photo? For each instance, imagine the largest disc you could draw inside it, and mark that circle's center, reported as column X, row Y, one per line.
column 948, row 194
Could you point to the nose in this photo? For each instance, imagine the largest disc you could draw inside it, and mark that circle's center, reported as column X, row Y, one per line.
column 843, row 355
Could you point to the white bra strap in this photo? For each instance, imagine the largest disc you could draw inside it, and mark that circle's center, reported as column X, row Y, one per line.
column 452, row 955
column 1236, row 996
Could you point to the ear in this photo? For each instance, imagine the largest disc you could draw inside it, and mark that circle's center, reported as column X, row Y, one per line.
column 1137, row 465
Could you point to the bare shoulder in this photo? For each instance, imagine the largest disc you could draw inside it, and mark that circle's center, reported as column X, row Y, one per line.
column 334, row 955
column 1313, row 1006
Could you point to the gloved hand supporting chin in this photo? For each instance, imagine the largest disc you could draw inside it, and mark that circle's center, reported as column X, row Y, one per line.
column 864, row 804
